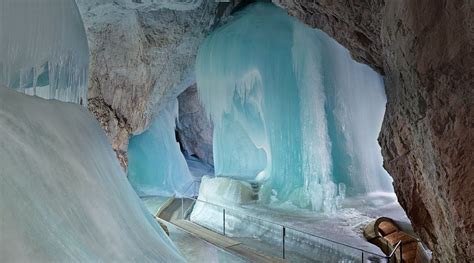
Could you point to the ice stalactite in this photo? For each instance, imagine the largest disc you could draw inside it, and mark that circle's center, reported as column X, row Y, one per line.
column 156, row 165
column 291, row 110
column 43, row 49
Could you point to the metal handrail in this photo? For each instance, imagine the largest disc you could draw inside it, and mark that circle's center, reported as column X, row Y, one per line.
column 399, row 243
column 286, row 227
column 191, row 184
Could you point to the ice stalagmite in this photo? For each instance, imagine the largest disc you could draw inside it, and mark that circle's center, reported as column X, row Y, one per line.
column 156, row 164
column 291, row 109
column 43, row 49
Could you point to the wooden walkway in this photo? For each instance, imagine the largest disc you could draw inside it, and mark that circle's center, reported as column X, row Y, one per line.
column 226, row 243
column 171, row 210
column 385, row 233
column 171, row 213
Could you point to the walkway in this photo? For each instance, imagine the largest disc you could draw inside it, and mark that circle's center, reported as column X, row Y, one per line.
column 385, row 233
column 172, row 212
column 197, row 250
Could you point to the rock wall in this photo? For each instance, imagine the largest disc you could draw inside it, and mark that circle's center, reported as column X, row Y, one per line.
column 354, row 24
column 425, row 50
column 428, row 132
column 141, row 54
column 194, row 127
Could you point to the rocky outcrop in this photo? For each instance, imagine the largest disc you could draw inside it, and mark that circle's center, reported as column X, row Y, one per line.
column 141, row 54
column 194, row 127
column 428, row 132
column 354, row 24
column 116, row 127
column 425, row 50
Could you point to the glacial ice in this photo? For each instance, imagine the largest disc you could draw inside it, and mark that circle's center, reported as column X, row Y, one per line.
column 291, row 110
column 63, row 194
column 43, row 49
column 156, row 165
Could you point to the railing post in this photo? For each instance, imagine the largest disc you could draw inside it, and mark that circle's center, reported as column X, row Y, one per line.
column 182, row 207
column 362, row 258
column 223, row 221
column 283, row 239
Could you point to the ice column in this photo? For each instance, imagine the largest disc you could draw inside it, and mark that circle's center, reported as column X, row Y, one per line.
column 43, row 49
column 156, row 164
column 291, row 109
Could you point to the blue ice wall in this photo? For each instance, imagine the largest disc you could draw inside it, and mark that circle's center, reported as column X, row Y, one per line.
column 156, row 165
column 291, row 109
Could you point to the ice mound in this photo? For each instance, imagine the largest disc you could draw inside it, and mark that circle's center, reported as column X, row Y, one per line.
column 225, row 190
column 63, row 195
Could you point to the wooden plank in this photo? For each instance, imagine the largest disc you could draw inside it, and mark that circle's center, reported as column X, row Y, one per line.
column 253, row 255
column 388, row 231
column 173, row 210
column 165, row 205
column 387, row 228
column 206, row 234
column 226, row 243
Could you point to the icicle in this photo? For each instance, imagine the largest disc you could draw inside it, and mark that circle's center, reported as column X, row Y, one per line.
column 43, row 49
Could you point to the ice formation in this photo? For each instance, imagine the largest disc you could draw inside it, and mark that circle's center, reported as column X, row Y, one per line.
column 63, row 195
column 291, row 109
column 225, row 191
column 156, row 164
column 43, row 49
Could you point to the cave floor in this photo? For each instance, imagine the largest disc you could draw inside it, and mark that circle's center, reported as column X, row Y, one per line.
column 197, row 250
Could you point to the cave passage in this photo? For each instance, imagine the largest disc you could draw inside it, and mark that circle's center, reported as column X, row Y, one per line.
column 274, row 143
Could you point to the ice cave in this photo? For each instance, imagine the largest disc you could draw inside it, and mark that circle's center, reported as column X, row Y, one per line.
column 236, row 131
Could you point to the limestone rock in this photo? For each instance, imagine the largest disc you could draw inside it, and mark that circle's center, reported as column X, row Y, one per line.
column 428, row 132
column 141, row 54
column 354, row 24
column 194, row 127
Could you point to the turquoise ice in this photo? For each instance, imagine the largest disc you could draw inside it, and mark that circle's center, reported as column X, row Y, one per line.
column 291, row 109
column 156, row 164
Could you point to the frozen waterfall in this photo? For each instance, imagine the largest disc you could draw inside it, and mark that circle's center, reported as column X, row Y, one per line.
column 43, row 49
column 291, row 110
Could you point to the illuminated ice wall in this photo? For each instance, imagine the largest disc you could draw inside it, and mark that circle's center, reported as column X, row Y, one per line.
column 156, row 164
column 291, row 109
column 43, row 49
